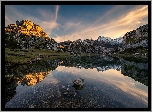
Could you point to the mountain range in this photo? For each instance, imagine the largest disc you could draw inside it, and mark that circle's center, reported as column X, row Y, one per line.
column 26, row 34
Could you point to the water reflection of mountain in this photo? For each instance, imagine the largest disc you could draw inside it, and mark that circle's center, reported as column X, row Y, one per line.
column 104, row 63
column 34, row 73
column 137, row 71
column 30, row 74
column 10, row 88
column 33, row 78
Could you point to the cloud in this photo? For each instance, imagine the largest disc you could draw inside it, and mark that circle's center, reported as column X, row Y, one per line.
column 133, row 17
column 113, row 28
column 7, row 20
column 50, row 23
column 72, row 25
column 56, row 12
column 107, row 15
column 110, row 77
column 114, row 23
column 46, row 20
column 46, row 14
column 10, row 15
column 48, row 26
column 71, row 37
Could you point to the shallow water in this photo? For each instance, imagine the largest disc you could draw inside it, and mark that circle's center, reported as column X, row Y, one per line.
column 48, row 84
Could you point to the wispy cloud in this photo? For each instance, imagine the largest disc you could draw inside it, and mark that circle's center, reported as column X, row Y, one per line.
column 114, row 28
column 72, row 25
column 113, row 23
column 111, row 76
column 108, row 15
column 10, row 15
column 7, row 20
column 56, row 12
column 46, row 14
column 50, row 24
column 47, row 21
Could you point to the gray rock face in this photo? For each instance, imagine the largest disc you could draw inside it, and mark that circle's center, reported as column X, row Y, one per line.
column 136, row 38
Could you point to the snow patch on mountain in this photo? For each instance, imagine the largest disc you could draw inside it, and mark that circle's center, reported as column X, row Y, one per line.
column 109, row 40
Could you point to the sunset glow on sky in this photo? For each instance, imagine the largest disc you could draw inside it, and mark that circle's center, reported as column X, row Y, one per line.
column 72, row 22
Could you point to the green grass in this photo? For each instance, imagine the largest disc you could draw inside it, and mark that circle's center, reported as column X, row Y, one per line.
column 130, row 57
column 18, row 56
column 129, row 54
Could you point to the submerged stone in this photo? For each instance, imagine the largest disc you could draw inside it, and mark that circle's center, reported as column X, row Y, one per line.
column 78, row 84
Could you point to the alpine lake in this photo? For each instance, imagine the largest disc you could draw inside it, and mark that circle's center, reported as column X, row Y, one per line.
column 109, row 83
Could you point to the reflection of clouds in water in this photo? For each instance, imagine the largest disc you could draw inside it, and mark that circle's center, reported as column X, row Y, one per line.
column 110, row 88
column 92, row 73
column 137, row 93
column 110, row 76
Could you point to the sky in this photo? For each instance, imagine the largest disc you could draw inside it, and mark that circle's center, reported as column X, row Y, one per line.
column 72, row 22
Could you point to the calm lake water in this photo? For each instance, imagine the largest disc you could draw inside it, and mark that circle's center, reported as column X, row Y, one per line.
column 109, row 83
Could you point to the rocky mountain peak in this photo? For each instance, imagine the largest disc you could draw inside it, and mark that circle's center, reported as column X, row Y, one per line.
column 110, row 40
column 136, row 36
column 28, row 28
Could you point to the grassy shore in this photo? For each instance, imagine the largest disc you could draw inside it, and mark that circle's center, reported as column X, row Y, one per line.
column 131, row 57
column 18, row 56
column 139, row 54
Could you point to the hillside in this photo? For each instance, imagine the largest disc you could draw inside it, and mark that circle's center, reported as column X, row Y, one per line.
column 136, row 38
column 26, row 27
column 32, row 43
column 26, row 35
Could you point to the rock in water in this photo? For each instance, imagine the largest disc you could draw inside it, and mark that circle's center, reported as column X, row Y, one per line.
column 79, row 82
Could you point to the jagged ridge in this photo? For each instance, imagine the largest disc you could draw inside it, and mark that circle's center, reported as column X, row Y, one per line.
column 136, row 38
column 28, row 28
